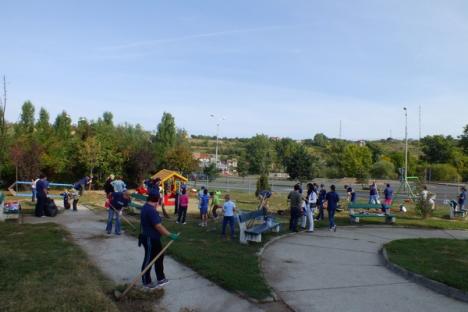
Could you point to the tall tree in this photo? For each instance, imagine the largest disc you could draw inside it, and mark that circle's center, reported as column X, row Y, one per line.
column 438, row 149
column 464, row 140
column 356, row 161
column 301, row 165
column 260, row 154
column 25, row 125
column 165, row 139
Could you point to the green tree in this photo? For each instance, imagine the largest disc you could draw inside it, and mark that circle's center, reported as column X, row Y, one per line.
column 464, row 140
column 356, row 161
column 242, row 165
column 25, row 126
column 165, row 139
column 211, row 171
column 301, row 165
column 260, row 154
column 438, row 149
column 180, row 158
column 320, row 139
column 444, row 172
column 262, row 184
column 383, row 169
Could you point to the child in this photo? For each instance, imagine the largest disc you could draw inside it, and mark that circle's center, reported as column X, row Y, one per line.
column 75, row 195
column 183, row 206
column 66, row 196
column 216, row 203
column 229, row 208
column 204, row 202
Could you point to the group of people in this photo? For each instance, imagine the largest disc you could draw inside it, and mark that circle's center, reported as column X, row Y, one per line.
column 304, row 206
column 228, row 208
column 40, row 192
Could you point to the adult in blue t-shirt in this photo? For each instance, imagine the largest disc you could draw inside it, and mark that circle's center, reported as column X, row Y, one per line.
column 150, row 238
column 229, row 208
column 462, row 199
column 41, row 195
column 117, row 201
column 332, row 200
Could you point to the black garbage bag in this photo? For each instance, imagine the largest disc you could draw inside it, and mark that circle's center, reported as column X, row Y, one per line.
column 51, row 209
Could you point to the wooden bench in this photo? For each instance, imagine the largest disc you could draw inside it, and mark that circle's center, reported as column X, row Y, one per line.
column 354, row 216
column 254, row 233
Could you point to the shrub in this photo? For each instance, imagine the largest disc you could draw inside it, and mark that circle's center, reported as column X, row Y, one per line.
column 383, row 169
column 423, row 207
column 262, row 184
column 444, row 172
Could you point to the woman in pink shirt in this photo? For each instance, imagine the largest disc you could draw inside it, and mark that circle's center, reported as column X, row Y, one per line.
column 183, row 206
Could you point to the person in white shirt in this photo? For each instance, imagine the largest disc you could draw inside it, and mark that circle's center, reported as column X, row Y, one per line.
column 311, row 204
column 229, row 208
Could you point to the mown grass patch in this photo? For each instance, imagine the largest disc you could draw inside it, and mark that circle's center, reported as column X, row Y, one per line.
column 42, row 270
column 443, row 260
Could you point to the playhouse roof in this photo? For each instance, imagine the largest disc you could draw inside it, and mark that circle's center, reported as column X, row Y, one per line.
column 165, row 175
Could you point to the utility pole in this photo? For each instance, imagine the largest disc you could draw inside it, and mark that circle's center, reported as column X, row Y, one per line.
column 406, row 144
column 340, row 130
column 217, row 137
column 3, row 108
column 419, row 122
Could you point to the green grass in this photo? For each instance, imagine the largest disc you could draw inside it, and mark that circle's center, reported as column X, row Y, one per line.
column 443, row 260
column 229, row 264
column 236, row 267
column 42, row 270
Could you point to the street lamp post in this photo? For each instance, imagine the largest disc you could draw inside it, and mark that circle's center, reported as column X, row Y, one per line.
column 217, row 137
column 406, row 144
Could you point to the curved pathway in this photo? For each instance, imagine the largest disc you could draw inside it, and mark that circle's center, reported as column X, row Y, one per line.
column 343, row 271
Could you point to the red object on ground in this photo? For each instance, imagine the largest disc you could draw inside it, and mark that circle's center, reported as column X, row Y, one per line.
column 169, row 200
column 142, row 190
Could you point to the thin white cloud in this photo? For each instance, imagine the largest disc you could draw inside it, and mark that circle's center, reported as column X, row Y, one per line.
column 155, row 42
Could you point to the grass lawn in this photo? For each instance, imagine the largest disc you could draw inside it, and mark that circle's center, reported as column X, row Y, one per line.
column 236, row 267
column 229, row 264
column 443, row 260
column 42, row 270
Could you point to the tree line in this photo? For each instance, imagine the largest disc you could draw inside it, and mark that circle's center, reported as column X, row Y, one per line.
column 66, row 151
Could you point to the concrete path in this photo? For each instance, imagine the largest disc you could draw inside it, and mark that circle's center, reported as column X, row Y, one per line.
column 119, row 257
column 343, row 271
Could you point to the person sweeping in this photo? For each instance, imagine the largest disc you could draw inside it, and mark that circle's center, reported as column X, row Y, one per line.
column 150, row 237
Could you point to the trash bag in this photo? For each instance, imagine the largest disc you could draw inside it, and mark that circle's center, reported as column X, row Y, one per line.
column 51, row 209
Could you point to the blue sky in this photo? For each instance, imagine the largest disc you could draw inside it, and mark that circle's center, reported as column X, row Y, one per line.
column 283, row 68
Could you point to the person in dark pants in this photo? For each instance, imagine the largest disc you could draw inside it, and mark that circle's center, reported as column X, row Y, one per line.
column 150, row 238
column 295, row 201
column 41, row 195
column 320, row 200
column 332, row 200
column 117, row 201
column 229, row 208
column 182, row 211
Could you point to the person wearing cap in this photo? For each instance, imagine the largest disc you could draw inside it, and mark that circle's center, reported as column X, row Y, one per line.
column 117, row 201
column 150, row 237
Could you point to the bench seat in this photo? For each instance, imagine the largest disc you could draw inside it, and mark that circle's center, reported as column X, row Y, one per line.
column 355, row 217
column 254, row 233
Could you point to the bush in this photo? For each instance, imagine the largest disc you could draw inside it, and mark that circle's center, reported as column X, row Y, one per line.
column 444, row 172
column 262, row 184
column 423, row 207
column 383, row 169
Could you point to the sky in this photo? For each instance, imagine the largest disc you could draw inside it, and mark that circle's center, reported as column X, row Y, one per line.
column 284, row 68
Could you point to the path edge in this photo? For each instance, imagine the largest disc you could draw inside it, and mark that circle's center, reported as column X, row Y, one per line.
column 433, row 285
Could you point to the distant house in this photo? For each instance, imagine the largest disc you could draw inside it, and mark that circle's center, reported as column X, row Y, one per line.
column 202, row 158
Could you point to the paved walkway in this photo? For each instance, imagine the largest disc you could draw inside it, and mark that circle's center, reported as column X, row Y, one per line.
column 343, row 271
column 119, row 257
